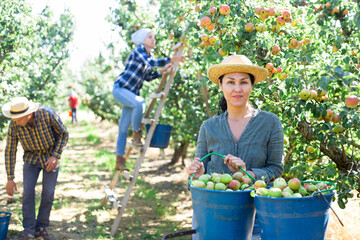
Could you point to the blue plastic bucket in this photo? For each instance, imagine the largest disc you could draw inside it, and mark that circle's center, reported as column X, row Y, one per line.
column 222, row 214
column 4, row 222
column 293, row 218
column 161, row 136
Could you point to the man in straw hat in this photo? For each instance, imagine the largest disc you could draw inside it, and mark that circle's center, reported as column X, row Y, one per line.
column 248, row 137
column 43, row 138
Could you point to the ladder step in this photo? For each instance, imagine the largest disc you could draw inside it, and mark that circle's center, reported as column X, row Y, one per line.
column 128, row 176
column 179, row 44
column 147, row 121
column 157, row 95
column 112, row 199
column 168, row 70
column 130, row 144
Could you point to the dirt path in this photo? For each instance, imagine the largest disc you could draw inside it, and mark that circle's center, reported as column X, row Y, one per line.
column 160, row 203
column 85, row 170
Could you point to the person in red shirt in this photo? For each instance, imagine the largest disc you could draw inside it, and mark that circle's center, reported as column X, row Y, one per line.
column 74, row 104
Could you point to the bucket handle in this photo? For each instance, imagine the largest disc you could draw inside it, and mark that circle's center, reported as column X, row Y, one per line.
column 7, row 207
column 214, row 153
column 327, row 183
column 319, row 192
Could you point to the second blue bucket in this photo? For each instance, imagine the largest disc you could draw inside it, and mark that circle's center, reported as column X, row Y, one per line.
column 161, row 136
column 303, row 218
column 4, row 222
column 223, row 214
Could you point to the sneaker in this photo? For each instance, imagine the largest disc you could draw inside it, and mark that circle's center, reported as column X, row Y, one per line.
column 43, row 233
column 26, row 236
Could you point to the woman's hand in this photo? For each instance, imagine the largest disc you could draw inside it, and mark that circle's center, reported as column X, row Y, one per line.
column 178, row 59
column 197, row 168
column 234, row 163
column 164, row 69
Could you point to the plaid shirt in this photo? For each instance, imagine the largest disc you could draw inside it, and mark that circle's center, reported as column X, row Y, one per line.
column 139, row 67
column 47, row 137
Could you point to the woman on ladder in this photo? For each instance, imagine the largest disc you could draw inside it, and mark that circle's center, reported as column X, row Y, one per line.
column 139, row 67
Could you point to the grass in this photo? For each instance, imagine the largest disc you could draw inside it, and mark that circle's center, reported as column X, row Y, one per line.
column 87, row 166
column 144, row 193
column 92, row 139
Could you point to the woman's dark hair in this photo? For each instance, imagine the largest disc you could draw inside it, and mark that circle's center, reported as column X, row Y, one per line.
column 222, row 102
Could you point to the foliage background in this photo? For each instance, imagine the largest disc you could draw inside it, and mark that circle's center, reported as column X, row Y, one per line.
column 317, row 66
column 34, row 51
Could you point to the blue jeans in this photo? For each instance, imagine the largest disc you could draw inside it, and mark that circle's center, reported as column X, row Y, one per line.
column 132, row 110
column 30, row 177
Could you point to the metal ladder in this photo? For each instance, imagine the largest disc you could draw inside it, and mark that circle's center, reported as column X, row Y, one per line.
column 162, row 94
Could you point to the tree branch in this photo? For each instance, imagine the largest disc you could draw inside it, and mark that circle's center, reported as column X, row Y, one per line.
column 343, row 162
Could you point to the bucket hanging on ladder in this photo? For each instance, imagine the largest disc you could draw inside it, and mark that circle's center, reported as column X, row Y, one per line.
column 161, row 136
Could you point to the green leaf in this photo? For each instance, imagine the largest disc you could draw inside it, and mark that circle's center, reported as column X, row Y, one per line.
column 339, row 72
column 358, row 134
column 357, row 21
column 308, row 58
column 331, row 171
column 341, row 204
column 221, row 19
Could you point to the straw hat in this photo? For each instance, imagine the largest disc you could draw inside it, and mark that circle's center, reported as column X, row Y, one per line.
column 19, row 107
column 236, row 63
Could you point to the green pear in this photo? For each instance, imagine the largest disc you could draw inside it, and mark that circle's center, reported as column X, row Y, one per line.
column 275, row 192
column 260, row 184
column 220, row 186
column 244, row 186
column 302, row 191
column 280, row 183
column 294, row 184
column 262, row 192
column 237, row 176
column 226, row 178
column 198, row 183
column 286, row 195
column 288, row 190
column 210, row 185
column 296, row 195
column 205, row 178
column 215, row 177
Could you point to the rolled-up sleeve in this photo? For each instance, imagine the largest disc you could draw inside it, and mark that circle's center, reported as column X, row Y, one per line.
column 153, row 75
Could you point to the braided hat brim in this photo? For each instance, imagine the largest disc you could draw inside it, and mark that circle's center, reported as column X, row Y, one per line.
column 217, row 70
column 6, row 110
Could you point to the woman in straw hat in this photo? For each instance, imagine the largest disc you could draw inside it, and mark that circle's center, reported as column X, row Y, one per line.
column 139, row 67
column 248, row 137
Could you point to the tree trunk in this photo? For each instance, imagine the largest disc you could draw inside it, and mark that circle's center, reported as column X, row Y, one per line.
column 343, row 162
column 180, row 152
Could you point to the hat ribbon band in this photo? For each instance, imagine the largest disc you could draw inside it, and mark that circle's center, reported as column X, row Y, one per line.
column 13, row 112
